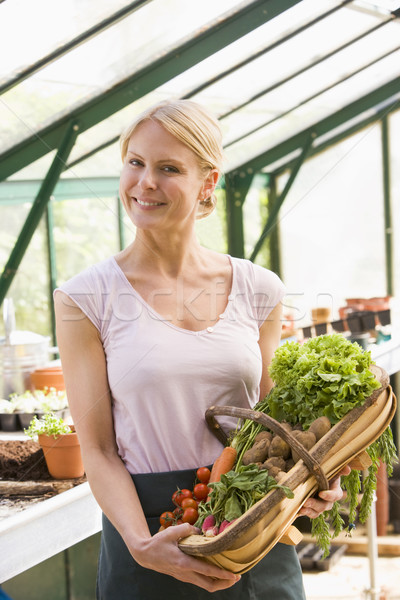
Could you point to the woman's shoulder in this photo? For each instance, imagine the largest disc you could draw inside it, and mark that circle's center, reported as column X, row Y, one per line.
column 260, row 278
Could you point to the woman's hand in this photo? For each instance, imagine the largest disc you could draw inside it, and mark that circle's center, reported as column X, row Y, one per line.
column 161, row 553
column 313, row 507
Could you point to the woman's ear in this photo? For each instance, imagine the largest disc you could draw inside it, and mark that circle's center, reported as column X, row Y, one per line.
column 209, row 184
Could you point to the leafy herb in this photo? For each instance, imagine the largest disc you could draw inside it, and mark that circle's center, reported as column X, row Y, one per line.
column 236, row 492
column 49, row 424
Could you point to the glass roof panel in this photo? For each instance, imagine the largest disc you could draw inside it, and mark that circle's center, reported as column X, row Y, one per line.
column 60, row 22
column 311, row 112
column 289, row 58
column 101, row 62
column 304, row 87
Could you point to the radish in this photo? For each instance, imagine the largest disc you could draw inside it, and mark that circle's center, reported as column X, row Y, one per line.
column 224, row 525
column 211, row 531
column 208, row 523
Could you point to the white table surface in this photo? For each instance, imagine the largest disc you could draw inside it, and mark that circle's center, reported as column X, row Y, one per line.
column 46, row 528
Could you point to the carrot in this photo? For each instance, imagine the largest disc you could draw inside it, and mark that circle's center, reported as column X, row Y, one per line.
column 223, row 463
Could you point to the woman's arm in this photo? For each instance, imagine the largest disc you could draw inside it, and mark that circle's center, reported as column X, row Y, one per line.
column 84, row 368
column 270, row 333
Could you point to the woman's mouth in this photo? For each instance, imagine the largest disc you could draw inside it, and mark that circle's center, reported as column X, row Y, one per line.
column 148, row 203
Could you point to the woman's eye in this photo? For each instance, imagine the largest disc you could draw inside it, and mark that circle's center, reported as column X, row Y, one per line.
column 134, row 162
column 170, row 169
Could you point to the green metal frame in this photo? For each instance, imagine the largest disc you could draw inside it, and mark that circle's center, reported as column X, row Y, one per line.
column 276, row 206
column 237, row 185
column 200, row 45
column 387, row 206
column 38, row 208
column 121, row 229
column 8, row 84
column 274, row 234
column 52, row 263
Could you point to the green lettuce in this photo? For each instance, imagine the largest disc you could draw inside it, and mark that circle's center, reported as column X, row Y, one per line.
column 327, row 375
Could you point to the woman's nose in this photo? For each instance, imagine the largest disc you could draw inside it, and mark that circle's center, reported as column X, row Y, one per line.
column 147, row 179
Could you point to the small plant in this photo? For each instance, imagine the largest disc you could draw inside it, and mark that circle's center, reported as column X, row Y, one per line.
column 49, row 424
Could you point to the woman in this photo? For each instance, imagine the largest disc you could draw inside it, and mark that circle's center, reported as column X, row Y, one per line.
column 148, row 340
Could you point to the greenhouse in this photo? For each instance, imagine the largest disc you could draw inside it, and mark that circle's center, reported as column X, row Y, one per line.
column 307, row 96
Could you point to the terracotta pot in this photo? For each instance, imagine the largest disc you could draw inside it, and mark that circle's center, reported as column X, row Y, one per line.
column 63, row 455
column 41, row 378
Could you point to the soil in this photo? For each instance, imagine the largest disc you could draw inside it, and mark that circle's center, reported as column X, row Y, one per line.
column 22, row 461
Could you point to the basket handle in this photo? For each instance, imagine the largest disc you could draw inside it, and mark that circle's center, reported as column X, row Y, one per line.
column 245, row 413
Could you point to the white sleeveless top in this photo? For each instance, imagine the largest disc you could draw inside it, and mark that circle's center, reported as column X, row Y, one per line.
column 163, row 378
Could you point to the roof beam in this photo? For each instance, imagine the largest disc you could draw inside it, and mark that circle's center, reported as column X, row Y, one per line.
column 352, row 110
column 336, row 138
column 200, row 45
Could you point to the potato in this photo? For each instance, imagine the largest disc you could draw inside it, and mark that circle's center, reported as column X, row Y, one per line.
column 275, row 461
column 258, row 452
column 273, row 472
column 279, row 447
column 320, row 427
column 307, row 439
column 267, row 435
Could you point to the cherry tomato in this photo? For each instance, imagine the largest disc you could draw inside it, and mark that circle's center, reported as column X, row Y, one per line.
column 190, row 515
column 189, row 503
column 177, row 512
column 200, row 490
column 203, row 474
column 167, row 519
column 179, row 495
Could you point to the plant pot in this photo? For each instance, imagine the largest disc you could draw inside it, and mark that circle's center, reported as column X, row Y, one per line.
column 48, row 377
column 63, row 455
column 9, row 422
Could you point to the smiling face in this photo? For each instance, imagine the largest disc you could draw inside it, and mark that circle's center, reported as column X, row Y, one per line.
column 161, row 183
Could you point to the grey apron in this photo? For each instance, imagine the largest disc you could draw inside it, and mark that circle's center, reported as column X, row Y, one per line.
column 276, row 577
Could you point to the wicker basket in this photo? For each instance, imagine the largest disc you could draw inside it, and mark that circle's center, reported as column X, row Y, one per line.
column 244, row 543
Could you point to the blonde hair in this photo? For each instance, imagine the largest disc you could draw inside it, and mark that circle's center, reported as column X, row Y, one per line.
column 195, row 127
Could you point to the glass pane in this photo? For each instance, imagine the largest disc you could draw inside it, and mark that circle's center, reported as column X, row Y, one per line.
column 101, row 62
column 45, row 25
column 30, row 286
column 78, row 224
column 320, row 212
column 394, row 136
